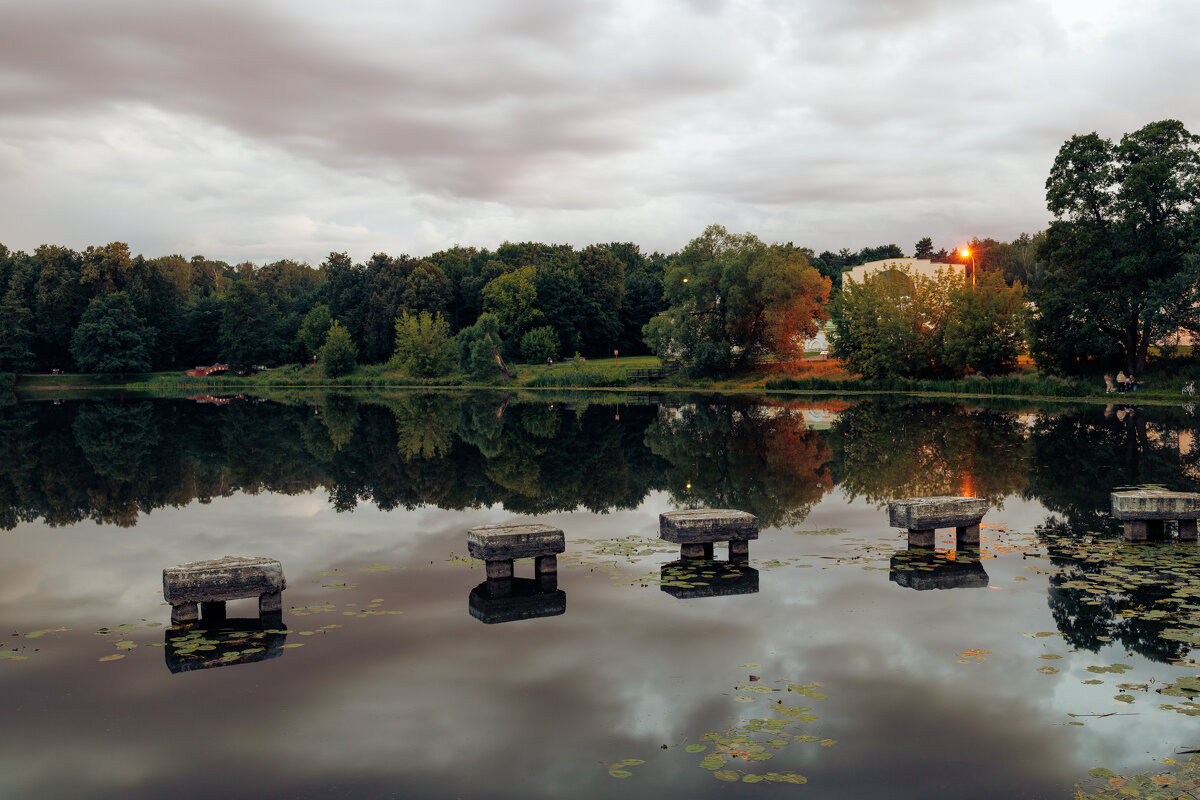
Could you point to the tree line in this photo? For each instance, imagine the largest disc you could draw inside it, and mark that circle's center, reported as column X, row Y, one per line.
column 107, row 310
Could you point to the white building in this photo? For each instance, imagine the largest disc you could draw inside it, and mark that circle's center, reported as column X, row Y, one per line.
column 916, row 266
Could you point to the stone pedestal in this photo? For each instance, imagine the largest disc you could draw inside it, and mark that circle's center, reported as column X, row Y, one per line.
column 213, row 583
column 1144, row 510
column 499, row 545
column 922, row 516
column 696, row 531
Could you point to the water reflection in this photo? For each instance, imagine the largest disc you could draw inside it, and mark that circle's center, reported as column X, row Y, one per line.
column 223, row 642
column 511, row 599
column 692, row 577
column 110, row 461
column 923, row 569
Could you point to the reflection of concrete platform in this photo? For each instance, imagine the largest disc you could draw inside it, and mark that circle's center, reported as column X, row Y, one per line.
column 512, row 599
column 708, row 578
column 695, row 531
column 1144, row 510
column 223, row 643
column 212, row 583
column 922, row 516
column 923, row 570
column 499, row 545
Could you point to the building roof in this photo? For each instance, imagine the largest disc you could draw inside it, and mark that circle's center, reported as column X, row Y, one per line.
column 916, row 266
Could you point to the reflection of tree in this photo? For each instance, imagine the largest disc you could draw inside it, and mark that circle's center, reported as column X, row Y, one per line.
column 1110, row 591
column 753, row 458
column 884, row 449
column 1079, row 458
column 116, row 438
column 424, row 425
column 339, row 414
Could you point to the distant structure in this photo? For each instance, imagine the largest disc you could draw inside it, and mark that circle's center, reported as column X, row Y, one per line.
column 916, row 266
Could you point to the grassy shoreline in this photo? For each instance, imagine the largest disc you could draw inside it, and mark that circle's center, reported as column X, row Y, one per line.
column 609, row 376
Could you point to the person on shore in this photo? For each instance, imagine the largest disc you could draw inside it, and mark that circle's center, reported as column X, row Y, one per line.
column 1121, row 381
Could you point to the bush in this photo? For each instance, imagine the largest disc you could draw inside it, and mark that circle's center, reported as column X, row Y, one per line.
column 338, row 356
column 477, row 346
column 423, row 345
column 540, row 344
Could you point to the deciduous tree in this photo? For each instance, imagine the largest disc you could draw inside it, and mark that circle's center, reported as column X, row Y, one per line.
column 1124, row 249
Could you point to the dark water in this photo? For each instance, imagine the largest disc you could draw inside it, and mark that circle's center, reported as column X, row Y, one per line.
column 836, row 656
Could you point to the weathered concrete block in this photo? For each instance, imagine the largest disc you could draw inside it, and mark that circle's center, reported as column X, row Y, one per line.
column 930, row 513
column 1149, row 504
column 707, row 525
column 519, row 540
column 228, row 578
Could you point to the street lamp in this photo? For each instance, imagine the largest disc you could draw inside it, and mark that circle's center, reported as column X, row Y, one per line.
column 966, row 253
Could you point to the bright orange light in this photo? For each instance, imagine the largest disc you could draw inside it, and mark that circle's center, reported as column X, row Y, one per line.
column 965, row 252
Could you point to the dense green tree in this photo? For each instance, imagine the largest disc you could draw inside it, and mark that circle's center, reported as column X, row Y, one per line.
column 248, row 327
column 899, row 324
column 313, row 329
column 923, row 248
column 58, row 304
column 889, row 325
column 1124, row 248
column 338, row 356
column 423, row 344
column 602, row 284
column 478, row 345
column 112, row 337
column 880, row 253
column 512, row 298
column 985, row 325
column 428, row 289
column 16, row 333
column 733, row 298
column 200, row 330
column 539, row 344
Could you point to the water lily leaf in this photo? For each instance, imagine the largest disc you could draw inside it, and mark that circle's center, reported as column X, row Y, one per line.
column 112, row 657
column 1101, row 772
column 630, row 762
column 1124, row 698
column 620, row 773
column 727, row 775
column 12, row 655
column 41, row 633
column 712, row 762
column 751, row 778
column 1047, row 670
column 696, row 748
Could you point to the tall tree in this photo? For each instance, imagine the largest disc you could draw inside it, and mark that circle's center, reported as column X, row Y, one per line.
column 112, row 337
column 1124, row 248
column 248, row 326
column 923, row 248
column 733, row 298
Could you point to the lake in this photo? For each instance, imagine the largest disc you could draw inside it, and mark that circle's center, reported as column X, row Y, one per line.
column 836, row 662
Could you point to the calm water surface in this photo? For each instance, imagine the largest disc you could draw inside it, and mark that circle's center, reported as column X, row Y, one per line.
column 836, row 657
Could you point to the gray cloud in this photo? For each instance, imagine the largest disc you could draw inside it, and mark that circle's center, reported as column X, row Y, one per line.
column 284, row 129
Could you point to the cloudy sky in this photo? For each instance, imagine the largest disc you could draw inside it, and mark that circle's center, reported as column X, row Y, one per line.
column 287, row 129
